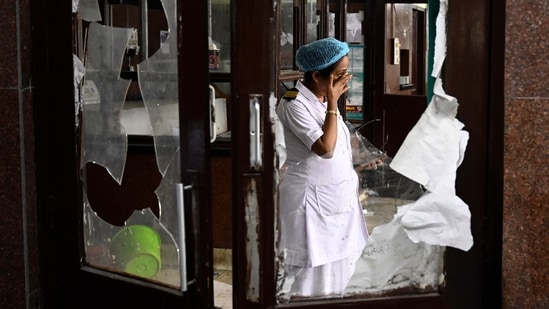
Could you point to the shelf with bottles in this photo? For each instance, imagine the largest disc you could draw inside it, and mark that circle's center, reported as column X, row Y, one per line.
column 355, row 95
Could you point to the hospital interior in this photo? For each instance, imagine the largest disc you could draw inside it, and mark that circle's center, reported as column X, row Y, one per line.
column 143, row 154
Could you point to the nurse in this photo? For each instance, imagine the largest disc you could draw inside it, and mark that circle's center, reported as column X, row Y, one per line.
column 322, row 227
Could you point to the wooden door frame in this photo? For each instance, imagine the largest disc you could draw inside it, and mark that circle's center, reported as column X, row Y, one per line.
column 254, row 47
column 473, row 73
column 57, row 191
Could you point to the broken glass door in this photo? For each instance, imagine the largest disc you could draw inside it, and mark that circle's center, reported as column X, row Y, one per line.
column 408, row 203
column 130, row 88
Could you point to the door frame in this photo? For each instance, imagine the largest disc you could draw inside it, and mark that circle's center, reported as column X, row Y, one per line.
column 254, row 59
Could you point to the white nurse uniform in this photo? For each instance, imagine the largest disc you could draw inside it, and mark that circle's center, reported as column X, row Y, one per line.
column 323, row 230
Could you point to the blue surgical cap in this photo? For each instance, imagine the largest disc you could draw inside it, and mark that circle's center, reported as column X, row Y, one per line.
column 320, row 54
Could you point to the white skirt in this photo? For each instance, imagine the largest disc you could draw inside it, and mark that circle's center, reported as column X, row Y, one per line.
column 329, row 279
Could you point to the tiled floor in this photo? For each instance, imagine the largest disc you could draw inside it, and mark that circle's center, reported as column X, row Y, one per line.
column 377, row 211
column 223, row 295
column 223, row 289
column 224, row 276
column 223, row 279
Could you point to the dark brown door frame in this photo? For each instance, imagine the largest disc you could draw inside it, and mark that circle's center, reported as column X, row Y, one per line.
column 473, row 73
column 254, row 50
column 57, row 191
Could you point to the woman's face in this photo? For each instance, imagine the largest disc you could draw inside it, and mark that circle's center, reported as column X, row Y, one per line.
column 339, row 72
column 341, row 69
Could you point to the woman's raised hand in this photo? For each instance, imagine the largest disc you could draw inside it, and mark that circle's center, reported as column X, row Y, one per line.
column 338, row 86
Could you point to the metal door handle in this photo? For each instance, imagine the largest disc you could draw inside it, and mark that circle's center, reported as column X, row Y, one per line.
column 255, row 132
column 179, row 187
column 213, row 127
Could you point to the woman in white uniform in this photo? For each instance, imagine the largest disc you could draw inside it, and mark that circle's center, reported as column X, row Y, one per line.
column 322, row 226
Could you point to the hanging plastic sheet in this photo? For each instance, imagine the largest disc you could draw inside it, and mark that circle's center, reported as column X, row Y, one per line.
column 431, row 154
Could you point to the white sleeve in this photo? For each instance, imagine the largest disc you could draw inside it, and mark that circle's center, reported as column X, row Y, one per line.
column 303, row 121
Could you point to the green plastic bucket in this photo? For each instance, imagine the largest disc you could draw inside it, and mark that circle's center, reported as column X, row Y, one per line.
column 136, row 250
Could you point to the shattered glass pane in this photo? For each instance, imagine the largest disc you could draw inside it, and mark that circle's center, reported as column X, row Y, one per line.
column 157, row 77
column 157, row 261
column 89, row 10
column 104, row 139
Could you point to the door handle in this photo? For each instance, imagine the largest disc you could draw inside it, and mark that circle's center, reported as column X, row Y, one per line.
column 213, row 127
column 255, row 131
column 179, row 188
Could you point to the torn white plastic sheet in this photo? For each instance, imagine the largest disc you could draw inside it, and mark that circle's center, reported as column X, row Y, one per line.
column 430, row 155
column 392, row 261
